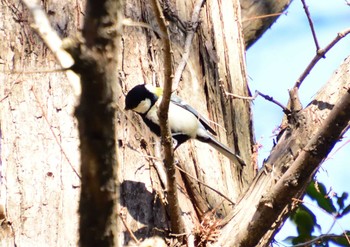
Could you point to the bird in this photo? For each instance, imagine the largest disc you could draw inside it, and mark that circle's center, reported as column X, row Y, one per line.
column 184, row 121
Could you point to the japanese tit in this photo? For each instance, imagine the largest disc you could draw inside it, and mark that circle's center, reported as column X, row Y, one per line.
column 185, row 122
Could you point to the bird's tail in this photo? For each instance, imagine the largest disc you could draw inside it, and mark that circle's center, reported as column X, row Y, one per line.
column 225, row 151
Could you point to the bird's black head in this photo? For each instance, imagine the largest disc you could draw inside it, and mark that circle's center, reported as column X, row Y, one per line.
column 141, row 94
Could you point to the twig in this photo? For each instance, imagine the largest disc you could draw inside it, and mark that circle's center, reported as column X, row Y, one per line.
column 53, row 41
column 176, row 222
column 257, row 93
column 130, row 23
column 265, row 16
column 338, row 149
column 320, row 54
column 188, row 43
column 29, row 72
column 204, row 184
column 242, row 97
column 7, row 94
column 271, row 99
column 306, row 8
column 122, row 217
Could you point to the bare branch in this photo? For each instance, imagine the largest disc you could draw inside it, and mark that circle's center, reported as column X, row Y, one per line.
column 257, row 93
column 320, row 54
column 271, row 99
column 265, row 16
column 294, row 179
column 204, row 184
column 177, row 225
column 236, row 96
column 292, row 163
column 122, row 215
column 308, row 15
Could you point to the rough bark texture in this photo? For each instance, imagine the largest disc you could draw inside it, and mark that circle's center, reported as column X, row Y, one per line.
column 214, row 66
column 39, row 144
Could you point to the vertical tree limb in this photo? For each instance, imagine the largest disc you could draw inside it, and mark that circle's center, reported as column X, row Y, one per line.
column 177, row 226
column 96, row 62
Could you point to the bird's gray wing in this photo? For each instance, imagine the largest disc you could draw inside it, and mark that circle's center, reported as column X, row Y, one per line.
column 178, row 101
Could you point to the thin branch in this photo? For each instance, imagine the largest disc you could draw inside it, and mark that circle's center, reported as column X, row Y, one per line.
column 204, row 184
column 322, row 237
column 265, row 16
column 9, row 91
column 306, row 8
column 257, row 93
column 188, row 43
column 177, row 225
column 233, row 95
column 320, row 54
column 271, row 99
column 122, row 215
column 41, row 71
column 130, row 23
column 53, row 41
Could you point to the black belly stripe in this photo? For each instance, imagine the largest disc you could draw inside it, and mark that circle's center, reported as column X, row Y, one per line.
column 155, row 128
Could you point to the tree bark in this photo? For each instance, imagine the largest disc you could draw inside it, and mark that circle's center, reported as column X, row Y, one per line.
column 39, row 138
column 96, row 62
column 300, row 151
column 214, row 66
column 39, row 144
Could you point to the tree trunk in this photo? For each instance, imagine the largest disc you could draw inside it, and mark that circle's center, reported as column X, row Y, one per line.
column 215, row 66
column 39, row 139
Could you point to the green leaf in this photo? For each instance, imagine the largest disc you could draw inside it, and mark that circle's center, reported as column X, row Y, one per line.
column 341, row 200
column 319, row 194
column 340, row 240
column 346, row 210
column 305, row 222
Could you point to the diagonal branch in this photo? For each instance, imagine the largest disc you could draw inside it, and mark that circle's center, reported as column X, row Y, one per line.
column 292, row 163
column 299, row 174
column 320, row 54
column 53, row 42
column 308, row 15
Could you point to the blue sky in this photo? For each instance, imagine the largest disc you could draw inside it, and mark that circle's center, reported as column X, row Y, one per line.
column 276, row 61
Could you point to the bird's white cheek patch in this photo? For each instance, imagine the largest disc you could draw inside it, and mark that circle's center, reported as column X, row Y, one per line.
column 143, row 106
